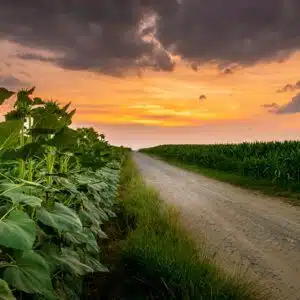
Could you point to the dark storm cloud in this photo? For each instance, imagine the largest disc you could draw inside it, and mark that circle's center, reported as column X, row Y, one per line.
column 290, row 108
column 289, row 88
column 234, row 31
column 101, row 36
column 106, row 36
column 12, row 82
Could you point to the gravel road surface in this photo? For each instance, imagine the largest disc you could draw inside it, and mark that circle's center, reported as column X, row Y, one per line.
column 247, row 230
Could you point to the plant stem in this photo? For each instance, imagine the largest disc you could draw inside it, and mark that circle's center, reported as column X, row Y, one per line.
column 3, row 175
column 21, row 169
column 7, row 213
column 7, row 265
column 22, row 163
column 30, row 169
column 32, row 213
column 11, row 189
column 30, row 162
column 50, row 164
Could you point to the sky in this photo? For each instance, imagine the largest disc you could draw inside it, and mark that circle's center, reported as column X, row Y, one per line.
column 149, row 72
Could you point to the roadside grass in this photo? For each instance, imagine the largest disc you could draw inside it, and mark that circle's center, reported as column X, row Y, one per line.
column 264, row 186
column 156, row 259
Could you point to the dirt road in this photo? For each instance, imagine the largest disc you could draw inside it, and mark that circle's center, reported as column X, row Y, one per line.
column 245, row 228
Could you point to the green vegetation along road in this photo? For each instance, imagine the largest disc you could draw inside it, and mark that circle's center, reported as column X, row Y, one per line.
column 270, row 167
column 245, row 229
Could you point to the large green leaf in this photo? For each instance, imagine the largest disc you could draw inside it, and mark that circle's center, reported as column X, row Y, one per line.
column 70, row 288
column 51, row 253
column 24, row 102
column 91, row 245
column 27, row 151
column 64, row 139
column 6, row 186
column 45, row 121
column 67, row 185
column 65, row 108
column 37, row 101
column 65, row 291
column 71, row 114
column 98, row 231
column 30, row 91
column 5, row 94
column 15, row 115
column 9, row 133
column 31, row 274
column 17, row 231
column 60, row 217
column 5, row 292
column 18, row 197
column 86, row 217
column 71, row 260
column 94, row 263
column 76, row 237
column 66, row 259
column 90, row 211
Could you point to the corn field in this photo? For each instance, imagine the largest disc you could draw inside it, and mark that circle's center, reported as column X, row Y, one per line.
column 275, row 162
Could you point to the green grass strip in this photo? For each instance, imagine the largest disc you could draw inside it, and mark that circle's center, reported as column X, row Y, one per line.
column 159, row 258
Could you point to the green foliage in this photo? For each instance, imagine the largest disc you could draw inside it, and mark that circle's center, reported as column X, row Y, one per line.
column 158, row 259
column 21, row 198
column 59, row 217
column 17, row 230
column 276, row 163
column 5, row 292
column 57, row 188
column 5, row 94
column 9, row 134
column 30, row 274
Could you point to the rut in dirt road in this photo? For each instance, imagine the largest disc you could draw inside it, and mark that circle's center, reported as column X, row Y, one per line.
column 245, row 228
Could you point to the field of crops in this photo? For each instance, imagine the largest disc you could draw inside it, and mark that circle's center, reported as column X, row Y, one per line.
column 275, row 162
column 57, row 187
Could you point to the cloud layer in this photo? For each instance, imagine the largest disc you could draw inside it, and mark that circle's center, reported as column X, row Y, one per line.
column 114, row 36
column 270, row 105
column 290, row 87
column 12, row 82
column 290, row 108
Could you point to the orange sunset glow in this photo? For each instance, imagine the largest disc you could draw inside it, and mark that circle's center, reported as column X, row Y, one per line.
column 154, row 107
